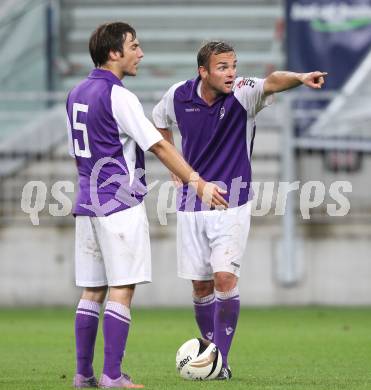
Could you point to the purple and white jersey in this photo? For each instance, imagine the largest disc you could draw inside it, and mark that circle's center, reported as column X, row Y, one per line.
column 217, row 140
column 107, row 134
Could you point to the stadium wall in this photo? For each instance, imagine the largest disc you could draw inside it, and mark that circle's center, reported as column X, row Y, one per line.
column 37, row 268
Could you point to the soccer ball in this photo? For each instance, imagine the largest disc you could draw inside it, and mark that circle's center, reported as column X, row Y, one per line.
column 198, row 359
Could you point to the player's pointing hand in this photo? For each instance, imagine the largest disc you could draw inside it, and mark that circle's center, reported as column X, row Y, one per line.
column 314, row 79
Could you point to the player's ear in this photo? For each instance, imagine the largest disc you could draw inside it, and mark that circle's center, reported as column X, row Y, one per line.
column 114, row 55
column 202, row 71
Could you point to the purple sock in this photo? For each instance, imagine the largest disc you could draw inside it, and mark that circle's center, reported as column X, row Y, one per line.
column 86, row 326
column 115, row 330
column 227, row 310
column 204, row 313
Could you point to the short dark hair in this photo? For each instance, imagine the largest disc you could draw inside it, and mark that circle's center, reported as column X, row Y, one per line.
column 108, row 37
column 209, row 48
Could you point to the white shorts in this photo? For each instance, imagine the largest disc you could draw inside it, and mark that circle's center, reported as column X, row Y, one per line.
column 212, row 241
column 113, row 250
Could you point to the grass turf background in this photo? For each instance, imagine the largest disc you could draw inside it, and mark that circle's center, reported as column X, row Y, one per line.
column 278, row 348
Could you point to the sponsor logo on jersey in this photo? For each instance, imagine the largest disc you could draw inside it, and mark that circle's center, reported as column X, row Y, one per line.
column 246, row 81
column 193, row 109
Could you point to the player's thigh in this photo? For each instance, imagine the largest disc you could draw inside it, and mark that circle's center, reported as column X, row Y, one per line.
column 125, row 244
column 228, row 231
column 89, row 265
column 193, row 251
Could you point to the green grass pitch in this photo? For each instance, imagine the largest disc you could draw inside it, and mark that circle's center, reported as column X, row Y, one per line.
column 279, row 348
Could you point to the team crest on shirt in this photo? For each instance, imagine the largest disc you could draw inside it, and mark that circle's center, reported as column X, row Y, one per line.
column 229, row 331
column 209, row 335
column 222, row 113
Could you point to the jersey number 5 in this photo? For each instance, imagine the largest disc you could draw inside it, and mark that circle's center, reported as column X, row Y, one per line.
column 77, row 107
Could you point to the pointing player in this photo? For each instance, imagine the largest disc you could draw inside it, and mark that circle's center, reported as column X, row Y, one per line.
column 215, row 114
column 108, row 133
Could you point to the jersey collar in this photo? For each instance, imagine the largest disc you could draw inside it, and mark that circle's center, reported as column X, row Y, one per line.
column 194, row 96
column 104, row 74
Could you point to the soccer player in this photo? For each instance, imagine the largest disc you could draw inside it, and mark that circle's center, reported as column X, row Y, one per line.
column 215, row 114
column 108, row 133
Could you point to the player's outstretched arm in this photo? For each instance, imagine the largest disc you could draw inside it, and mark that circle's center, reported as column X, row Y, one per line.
column 168, row 135
column 281, row 81
column 209, row 193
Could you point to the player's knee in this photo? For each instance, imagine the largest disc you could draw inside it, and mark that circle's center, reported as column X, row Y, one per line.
column 225, row 281
column 122, row 294
column 202, row 288
column 96, row 294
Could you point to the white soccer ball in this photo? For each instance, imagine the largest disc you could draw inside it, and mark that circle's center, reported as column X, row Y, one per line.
column 198, row 359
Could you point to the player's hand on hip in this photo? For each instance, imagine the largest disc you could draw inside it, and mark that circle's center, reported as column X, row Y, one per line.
column 212, row 195
column 314, row 79
column 218, row 201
